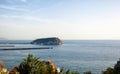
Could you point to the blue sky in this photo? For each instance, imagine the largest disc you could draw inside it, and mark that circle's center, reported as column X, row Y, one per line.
column 67, row 19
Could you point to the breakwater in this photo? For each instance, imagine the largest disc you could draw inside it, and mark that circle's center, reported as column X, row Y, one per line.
column 37, row 48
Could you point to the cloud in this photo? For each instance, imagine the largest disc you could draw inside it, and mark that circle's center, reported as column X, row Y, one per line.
column 43, row 20
column 17, row 0
column 34, row 19
column 9, row 16
column 12, row 8
column 24, row 0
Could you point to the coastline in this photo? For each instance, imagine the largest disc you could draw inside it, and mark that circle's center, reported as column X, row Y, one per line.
column 96, row 54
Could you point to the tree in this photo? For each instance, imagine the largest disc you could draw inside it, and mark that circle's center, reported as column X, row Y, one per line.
column 109, row 70
column 31, row 65
column 117, row 67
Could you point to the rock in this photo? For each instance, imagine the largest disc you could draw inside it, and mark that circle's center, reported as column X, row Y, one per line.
column 14, row 70
column 3, row 70
column 54, row 69
column 48, row 41
column 1, row 65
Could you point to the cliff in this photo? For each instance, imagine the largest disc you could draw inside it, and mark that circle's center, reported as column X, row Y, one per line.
column 48, row 41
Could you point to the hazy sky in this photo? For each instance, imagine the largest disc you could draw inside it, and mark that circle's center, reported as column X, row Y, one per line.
column 67, row 19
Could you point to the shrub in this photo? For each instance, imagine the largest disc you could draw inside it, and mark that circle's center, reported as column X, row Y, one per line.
column 109, row 70
column 33, row 65
column 68, row 72
column 89, row 72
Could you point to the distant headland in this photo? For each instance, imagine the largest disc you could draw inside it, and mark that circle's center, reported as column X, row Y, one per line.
column 48, row 41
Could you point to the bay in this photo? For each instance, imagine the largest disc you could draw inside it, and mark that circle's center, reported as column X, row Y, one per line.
column 76, row 55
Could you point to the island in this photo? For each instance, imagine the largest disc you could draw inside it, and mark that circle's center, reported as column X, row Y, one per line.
column 48, row 41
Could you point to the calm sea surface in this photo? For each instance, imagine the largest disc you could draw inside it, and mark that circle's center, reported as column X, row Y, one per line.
column 77, row 55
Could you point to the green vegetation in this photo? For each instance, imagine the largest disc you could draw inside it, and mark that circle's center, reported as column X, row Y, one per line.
column 68, row 72
column 115, row 70
column 109, row 70
column 89, row 72
column 33, row 65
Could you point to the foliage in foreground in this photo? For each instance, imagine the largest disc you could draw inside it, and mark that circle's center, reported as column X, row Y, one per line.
column 33, row 65
column 115, row 70
column 68, row 72
column 89, row 72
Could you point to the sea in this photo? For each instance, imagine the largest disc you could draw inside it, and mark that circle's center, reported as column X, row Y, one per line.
column 75, row 55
